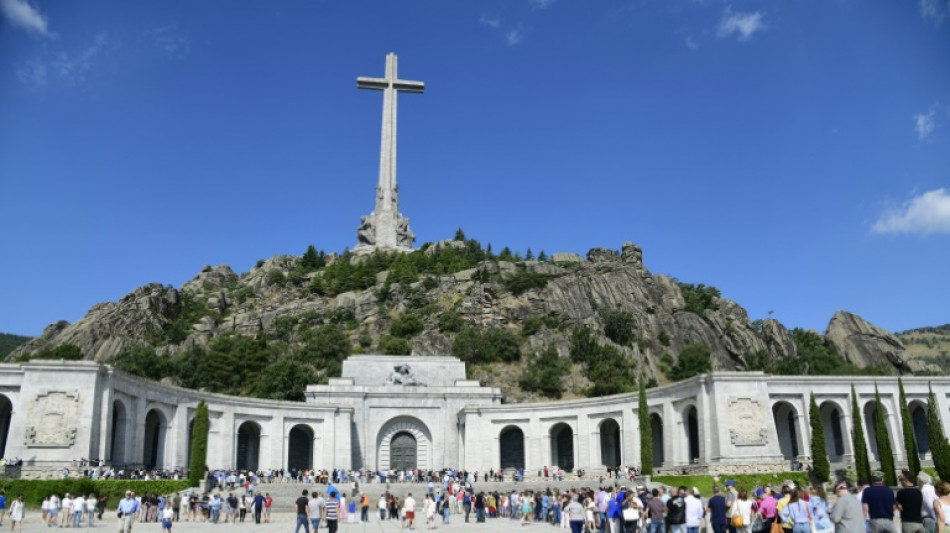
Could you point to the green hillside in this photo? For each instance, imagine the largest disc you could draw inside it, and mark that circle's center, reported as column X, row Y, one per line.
column 9, row 342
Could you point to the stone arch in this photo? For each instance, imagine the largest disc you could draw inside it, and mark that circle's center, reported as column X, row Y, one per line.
column 300, row 447
column 691, row 427
column 870, row 408
column 416, row 429
column 562, row 446
column 120, row 431
column 785, row 417
column 153, row 447
column 832, row 421
column 656, row 428
column 918, row 418
column 610, row 443
column 511, row 448
column 6, row 414
column 248, row 445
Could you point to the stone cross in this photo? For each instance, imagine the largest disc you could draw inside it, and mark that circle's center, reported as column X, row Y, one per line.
column 386, row 228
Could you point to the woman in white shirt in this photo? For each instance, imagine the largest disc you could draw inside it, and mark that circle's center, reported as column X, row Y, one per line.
column 16, row 514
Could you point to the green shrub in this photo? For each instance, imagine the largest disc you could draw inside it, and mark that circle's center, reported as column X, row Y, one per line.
column 619, row 326
column 544, row 374
column 192, row 310
column 493, row 345
column 243, row 293
column 285, row 379
column 276, row 277
column 394, row 345
column 693, row 360
column 34, row 490
column 407, row 325
column 312, row 259
column 68, row 352
column 430, row 283
column 451, row 322
column 699, row 298
column 525, row 281
column 663, row 337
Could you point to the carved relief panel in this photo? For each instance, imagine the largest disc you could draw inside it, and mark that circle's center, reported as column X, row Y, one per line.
column 747, row 422
column 53, row 419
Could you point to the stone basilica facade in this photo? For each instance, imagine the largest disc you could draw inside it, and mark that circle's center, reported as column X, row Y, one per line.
column 422, row 412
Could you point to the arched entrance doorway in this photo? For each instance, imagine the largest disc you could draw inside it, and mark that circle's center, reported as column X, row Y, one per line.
column 300, row 448
column 403, row 452
column 562, row 447
column 918, row 418
column 153, row 454
column 248, row 446
column 418, row 450
column 511, row 448
column 610, row 443
column 120, row 428
column 6, row 413
column 786, row 427
column 833, row 424
column 656, row 428
column 692, row 434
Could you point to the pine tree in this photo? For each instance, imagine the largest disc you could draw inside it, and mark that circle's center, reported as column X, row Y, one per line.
column 646, row 432
column 883, row 440
column 199, row 445
column 529, row 255
column 459, row 235
column 862, row 466
column 907, row 425
column 542, row 256
column 821, row 468
column 939, row 447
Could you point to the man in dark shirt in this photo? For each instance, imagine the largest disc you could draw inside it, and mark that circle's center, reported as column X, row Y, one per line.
column 878, row 501
column 657, row 510
column 301, row 504
column 716, row 509
column 676, row 511
column 910, row 501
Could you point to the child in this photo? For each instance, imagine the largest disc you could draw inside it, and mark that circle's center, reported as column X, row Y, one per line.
column 166, row 516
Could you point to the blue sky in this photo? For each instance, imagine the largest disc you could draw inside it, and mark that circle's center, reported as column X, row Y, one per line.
column 795, row 154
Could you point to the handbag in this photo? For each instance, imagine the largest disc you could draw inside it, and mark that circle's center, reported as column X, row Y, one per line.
column 777, row 527
column 738, row 521
column 758, row 526
column 630, row 514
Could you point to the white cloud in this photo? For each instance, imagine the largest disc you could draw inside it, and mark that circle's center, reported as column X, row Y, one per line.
column 744, row 25
column 691, row 43
column 70, row 67
column 935, row 10
column 923, row 214
column 168, row 39
column 22, row 14
column 491, row 22
column 541, row 4
column 513, row 37
column 925, row 123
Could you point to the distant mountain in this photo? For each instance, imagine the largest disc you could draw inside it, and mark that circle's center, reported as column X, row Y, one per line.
column 10, row 342
column 928, row 344
column 532, row 325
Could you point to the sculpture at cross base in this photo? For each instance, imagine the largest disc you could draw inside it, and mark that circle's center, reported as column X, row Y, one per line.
column 386, row 228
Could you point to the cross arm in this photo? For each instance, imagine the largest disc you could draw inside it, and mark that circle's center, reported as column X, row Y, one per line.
column 409, row 86
column 372, row 83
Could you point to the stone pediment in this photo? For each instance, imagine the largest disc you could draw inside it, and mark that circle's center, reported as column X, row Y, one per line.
column 403, row 371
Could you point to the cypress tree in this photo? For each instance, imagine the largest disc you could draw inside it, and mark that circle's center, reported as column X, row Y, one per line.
column 939, row 447
column 646, row 432
column 821, row 468
column 199, row 445
column 907, row 426
column 883, row 440
column 862, row 466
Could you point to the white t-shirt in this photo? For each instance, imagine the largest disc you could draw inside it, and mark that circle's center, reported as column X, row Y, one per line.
column 90, row 504
column 409, row 504
column 930, row 496
column 168, row 513
column 78, row 504
column 68, row 505
column 315, row 506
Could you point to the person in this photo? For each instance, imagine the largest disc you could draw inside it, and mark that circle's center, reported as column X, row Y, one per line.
column 268, row 502
column 768, row 508
column 796, row 513
column 656, row 510
column 16, row 514
column 382, row 504
column 942, row 507
column 315, row 508
column 878, row 501
column 731, row 495
column 3, row 506
column 258, row 505
column 127, row 509
column 409, row 507
column 575, row 514
column 527, row 509
column 630, row 513
column 818, row 505
column 676, row 510
column 242, row 507
column 215, row 506
column 44, row 509
column 716, row 509
column 910, row 502
column 53, row 510
column 694, row 511
column 79, row 505
column 429, row 508
column 167, row 514
column 846, row 514
column 364, row 508
column 331, row 512
column 745, row 508
column 301, row 506
column 927, row 513
column 230, row 510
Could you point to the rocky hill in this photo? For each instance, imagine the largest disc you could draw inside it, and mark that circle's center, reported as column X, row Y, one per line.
column 441, row 298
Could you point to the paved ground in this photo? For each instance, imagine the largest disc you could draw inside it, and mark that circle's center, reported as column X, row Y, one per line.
column 285, row 522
